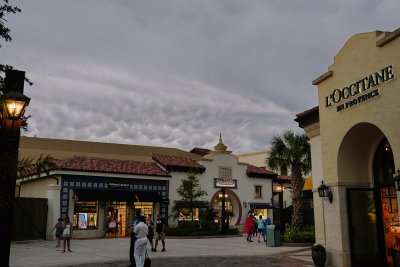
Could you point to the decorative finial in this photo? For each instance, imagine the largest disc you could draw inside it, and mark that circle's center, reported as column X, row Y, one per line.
column 220, row 147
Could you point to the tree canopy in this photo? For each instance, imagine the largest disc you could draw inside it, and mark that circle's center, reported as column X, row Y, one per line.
column 191, row 196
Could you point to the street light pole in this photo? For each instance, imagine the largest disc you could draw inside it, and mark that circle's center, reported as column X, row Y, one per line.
column 280, row 189
column 281, row 209
column 223, row 213
column 12, row 107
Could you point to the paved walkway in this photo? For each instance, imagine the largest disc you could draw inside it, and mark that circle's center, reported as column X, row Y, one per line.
column 230, row 251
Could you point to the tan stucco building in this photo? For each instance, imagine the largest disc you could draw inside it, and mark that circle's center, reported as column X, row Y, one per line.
column 355, row 142
column 95, row 183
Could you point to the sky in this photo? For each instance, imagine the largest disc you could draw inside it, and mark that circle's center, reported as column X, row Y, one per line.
column 178, row 73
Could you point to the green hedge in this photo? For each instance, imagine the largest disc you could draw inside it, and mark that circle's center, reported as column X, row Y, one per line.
column 307, row 235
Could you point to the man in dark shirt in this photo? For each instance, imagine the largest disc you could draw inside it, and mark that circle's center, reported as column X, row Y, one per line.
column 161, row 225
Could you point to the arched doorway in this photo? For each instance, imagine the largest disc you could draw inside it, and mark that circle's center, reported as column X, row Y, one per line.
column 366, row 166
column 234, row 203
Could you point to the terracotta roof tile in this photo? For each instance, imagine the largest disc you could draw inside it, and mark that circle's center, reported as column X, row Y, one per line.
column 307, row 117
column 259, row 172
column 90, row 164
column 284, row 178
column 178, row 163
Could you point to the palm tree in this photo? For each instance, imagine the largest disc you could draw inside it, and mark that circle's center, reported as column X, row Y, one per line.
column 29, row 167
column 292, row 151
column 26, row 167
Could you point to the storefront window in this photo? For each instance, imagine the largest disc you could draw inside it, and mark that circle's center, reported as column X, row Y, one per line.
column 257, row 191
column 145, row 208
column 186, row 214
column 85, row 215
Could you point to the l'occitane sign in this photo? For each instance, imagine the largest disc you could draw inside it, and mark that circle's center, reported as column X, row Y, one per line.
column 362, row 88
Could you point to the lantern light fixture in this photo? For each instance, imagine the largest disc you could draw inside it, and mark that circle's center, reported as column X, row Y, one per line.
column 325, row 192
column 14, row 104
column 279, row 188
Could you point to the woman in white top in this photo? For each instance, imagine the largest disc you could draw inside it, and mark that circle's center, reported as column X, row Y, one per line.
column 141, row 230
column 67, row 233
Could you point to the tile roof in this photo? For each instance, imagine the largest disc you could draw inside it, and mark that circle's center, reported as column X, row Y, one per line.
column 178, row 163
column 284, row 178
column 90, row 164
column 259, row 172
column 307, row 117
column 200, row 151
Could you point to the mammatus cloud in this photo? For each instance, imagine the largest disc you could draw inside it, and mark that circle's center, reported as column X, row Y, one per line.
column 178, row 73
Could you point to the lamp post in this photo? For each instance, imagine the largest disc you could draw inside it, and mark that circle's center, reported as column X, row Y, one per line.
column 223, row 213
column 12, row 107
column 279, row 189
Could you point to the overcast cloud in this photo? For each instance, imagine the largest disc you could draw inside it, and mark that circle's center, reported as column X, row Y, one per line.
column 179, row 72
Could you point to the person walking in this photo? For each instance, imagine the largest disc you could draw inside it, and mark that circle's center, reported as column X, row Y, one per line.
column 249, row 227
column 59, row 231
column 67, row 233
column 161, row 226
column 133, row 239
column 260, row 228
column 141, row 230
column 150, row 236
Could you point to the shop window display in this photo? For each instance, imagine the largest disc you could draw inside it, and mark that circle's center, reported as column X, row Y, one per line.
column 85, row 215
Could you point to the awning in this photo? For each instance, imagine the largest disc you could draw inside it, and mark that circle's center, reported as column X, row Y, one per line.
column 117, row 195
column 308, row 183
column 262, row 206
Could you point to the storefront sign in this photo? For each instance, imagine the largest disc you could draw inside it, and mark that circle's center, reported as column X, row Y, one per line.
column 225, row 182
column 361, row 89
column 118, row 185
column 86, row 209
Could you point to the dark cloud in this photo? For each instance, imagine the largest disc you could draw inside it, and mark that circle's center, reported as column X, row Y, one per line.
column 177, row 73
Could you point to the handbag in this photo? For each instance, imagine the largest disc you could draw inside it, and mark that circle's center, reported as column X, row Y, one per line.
column 147, row 261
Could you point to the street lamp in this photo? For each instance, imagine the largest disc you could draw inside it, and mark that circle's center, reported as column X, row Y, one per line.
column 12, row 106
column 14, row 103
column 223, row 212
column 279, row 189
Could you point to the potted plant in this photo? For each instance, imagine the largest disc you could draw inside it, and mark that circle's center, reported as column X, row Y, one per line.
column 318, row 254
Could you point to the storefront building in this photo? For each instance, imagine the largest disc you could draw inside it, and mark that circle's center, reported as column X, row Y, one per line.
column 101, row 186
column 355, row 146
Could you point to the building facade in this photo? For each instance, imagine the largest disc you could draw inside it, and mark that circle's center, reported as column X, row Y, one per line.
column 101, row 186
column 354, row 135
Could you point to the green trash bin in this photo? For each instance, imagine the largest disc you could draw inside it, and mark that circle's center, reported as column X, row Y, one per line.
column 273, row 236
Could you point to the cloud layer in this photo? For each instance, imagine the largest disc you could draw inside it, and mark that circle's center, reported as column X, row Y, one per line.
column 177, row 73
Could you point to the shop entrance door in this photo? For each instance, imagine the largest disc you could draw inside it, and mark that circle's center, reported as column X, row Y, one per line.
column 364, row 225
column 116, row 218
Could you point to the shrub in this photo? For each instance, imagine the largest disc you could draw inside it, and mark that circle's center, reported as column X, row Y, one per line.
column 306, row 235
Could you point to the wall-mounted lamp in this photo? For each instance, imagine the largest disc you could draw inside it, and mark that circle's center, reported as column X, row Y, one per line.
column 396, row 179
column 325, row 192
column 245, row 204
column 75, row 197
column 279, row 188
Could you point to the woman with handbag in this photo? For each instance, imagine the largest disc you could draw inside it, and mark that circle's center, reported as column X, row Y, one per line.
column 141, row 231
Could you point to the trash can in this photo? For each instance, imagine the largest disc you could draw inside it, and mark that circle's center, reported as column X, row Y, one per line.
column 273, row 236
